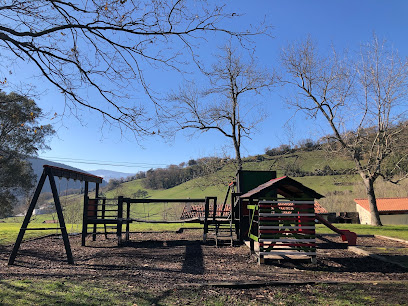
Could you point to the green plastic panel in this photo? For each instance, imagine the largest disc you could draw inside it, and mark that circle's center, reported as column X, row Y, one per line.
column 248, row 179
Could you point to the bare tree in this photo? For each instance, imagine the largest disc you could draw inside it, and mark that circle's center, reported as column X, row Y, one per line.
column 224, row 104
column 362, row 102
column 102, row 48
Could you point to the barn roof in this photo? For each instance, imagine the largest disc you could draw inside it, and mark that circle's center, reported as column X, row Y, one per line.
column 386, row 204
column 319, row 209
column 284, row 186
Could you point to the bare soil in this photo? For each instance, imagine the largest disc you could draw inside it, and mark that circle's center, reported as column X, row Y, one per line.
column 169, row 260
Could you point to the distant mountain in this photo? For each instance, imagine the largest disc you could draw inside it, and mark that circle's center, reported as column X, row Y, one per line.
column 37, row 165
column 108, row 174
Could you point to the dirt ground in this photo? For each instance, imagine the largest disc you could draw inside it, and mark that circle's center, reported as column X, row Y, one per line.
column 169, row 260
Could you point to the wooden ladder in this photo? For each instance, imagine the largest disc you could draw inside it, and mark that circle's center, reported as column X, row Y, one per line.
column 223, row 233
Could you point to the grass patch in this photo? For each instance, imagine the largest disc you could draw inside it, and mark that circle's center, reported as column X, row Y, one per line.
column 9, row 231
column 395, row 231
column 70, row 292
column 42, row 292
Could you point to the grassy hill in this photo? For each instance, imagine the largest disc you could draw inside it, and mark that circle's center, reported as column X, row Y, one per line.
column 215, row 184
column 339, row 190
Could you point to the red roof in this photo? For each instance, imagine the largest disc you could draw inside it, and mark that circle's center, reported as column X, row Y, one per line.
column 385, row 204
column 319, row 209
column 198, row 211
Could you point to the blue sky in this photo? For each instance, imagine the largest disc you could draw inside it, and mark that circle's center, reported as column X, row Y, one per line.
column 345, row 24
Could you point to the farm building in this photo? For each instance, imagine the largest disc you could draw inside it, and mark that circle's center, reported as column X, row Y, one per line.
column 392, row 210
column 320, row 210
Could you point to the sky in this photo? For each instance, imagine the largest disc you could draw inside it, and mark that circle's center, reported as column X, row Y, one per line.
column 344, row 24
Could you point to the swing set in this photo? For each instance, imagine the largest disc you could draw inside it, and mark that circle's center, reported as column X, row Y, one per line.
column 50, row 172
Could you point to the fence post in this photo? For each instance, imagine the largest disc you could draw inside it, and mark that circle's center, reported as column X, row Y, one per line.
column 103, row 216
column 85, row 214
column 119, row 220
column 215, row 208
column 94, row 204
column 206, row 213
column 127, row 219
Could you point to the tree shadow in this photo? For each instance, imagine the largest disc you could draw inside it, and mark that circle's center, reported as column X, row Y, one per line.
column 193, row 259
column 193, row 262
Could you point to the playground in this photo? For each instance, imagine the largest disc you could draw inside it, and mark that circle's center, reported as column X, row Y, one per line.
column 283, row 249
column 170, row 261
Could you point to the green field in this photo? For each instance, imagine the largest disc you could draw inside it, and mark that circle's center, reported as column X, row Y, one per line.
column 9, row 231
column 395, row 231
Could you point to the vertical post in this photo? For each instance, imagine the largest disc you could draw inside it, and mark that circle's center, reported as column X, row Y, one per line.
column 225, row 201
column 252, row 246
column 241, row 221
column 96, row 210
column 119, row 220
column 103, row 216
column 206, row 212
column 235, row 203
column 232, row 208
column 215, row 208
column 85, row 214
column 252, row 229
column 127, row 219
column 27, row 218
column 60, row 217
column 236, row 208
column 95, row 215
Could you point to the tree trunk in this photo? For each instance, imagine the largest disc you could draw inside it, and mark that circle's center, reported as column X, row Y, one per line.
column 374, row 214
column 238, row 154
column 238, row 158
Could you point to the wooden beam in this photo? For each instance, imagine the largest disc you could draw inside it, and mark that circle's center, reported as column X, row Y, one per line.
column 60, row 217
column 27, row 218
column 47, row 172
column 75, row 175
column 135, row 201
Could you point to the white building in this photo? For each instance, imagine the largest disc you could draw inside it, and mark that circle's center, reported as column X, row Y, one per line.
column 392, row 210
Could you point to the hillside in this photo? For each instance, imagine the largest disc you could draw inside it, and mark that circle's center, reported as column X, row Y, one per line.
column 215, row 184
column 339, row 190
column 304, row 166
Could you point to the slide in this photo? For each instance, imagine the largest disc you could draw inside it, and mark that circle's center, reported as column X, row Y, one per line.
column 351, row 237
